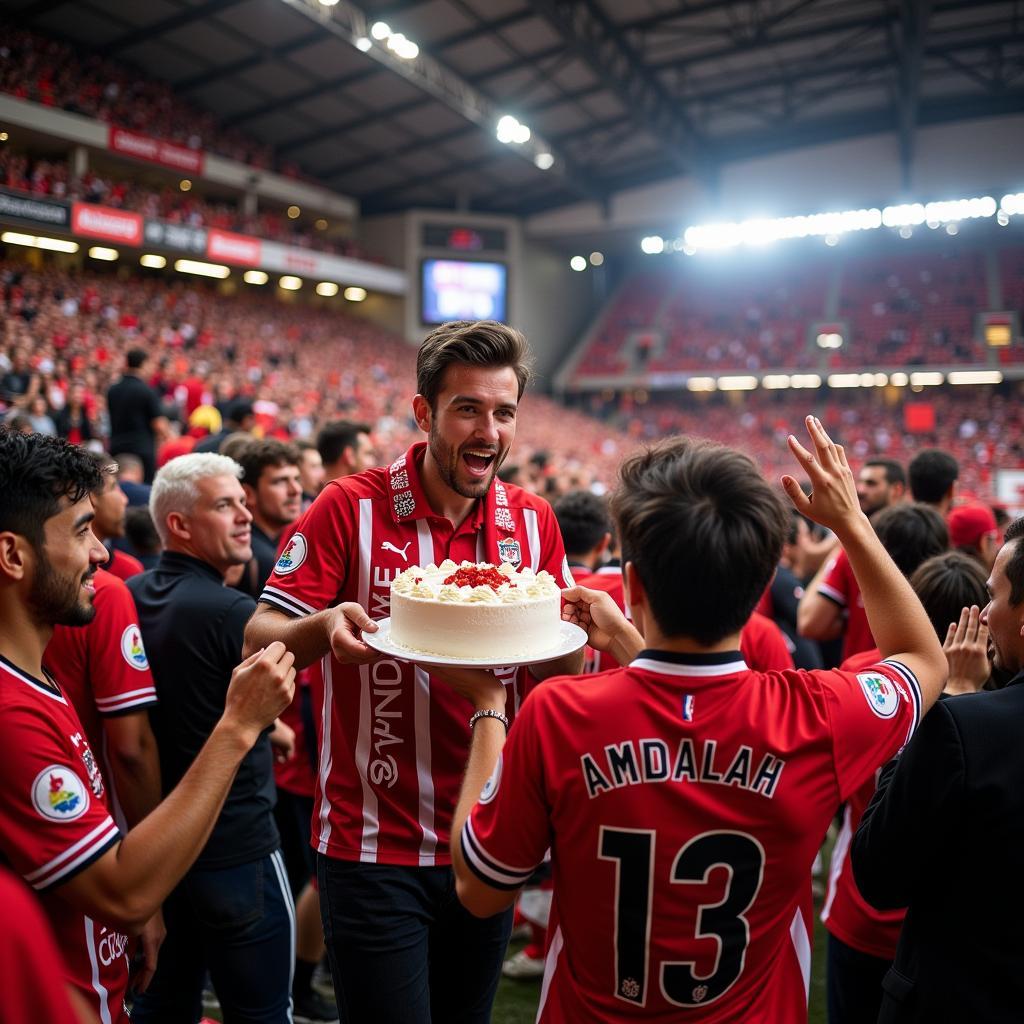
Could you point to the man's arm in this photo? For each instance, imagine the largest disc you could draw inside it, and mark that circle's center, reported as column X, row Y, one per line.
column 909, row 817
column 126, row 886
column 567, row 665
column 818, row 617
column 310, row 637
column 132, row 756
column 898, row 622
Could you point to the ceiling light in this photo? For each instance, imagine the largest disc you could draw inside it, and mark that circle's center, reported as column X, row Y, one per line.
column 4, row 136
column 328, row 3
column 153, row 261
column 830, row 339
column 975, row 377
column 355, row 294
column 290, row 283
column 742, row 383
column 653, row 244
column 844, row 380
column 38, row 241
column 363, row 44
column 217, row 270
column 402, row 47
column 293, row 212
column 775, row 381
column 380, row 30
column 320, row 224
column 925, row 379
column 805, row 380
column 701, row 384
column 545, row 161
column 101, row 252
column 255, row 277
column 185, row 185
column 596, row 259
column 327, row 289
column 578, row 263
column 899, row 380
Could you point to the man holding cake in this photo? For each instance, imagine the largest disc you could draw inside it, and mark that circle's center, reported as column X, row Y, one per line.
column 395, row 740
column 684, row 796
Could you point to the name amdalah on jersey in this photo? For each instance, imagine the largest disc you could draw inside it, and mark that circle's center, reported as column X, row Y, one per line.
column 638, row 762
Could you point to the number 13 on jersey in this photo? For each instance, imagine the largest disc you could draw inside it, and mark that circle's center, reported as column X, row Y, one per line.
column 738, row 854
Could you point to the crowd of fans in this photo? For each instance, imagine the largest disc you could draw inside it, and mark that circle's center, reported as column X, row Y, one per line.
column 56, row 74
column 903, row 309
column 54, row 178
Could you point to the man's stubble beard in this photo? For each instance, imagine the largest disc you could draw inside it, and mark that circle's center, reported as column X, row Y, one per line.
column 57, row 601
column 447, row 460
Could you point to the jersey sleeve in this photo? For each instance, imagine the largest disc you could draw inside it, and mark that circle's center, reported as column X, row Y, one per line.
column 553, row 548
column 119, row 672
column 872, row 714
column 52, row 825
column 764, row 646
column 310, row 571
column 507, row 832
column 834, row 584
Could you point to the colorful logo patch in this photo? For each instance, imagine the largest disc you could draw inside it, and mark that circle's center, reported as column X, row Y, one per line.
column 881, row 693
column 131, row 648
column 509, row 551
column 293, row 555
column 58, row 794
column 490, row 790
column 687, row 707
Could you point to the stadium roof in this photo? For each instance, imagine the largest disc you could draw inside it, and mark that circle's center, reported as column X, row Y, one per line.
column 622, row 92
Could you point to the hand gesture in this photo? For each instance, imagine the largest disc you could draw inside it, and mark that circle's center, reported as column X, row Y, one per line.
column 606, row 626
column 966, row 650
column 350, row 619
column 151, row 938
column 833, row 499
column 282, row 739
column 261, row 688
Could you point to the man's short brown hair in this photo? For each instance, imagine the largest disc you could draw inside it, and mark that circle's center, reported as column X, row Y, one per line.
column 473, row 343
column 704, row 531
column 257, row 455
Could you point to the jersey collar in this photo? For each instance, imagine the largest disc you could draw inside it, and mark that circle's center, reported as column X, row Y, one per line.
column 675, row 663
column 47, row 685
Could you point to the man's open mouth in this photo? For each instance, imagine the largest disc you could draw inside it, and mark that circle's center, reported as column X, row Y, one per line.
column 478, row 460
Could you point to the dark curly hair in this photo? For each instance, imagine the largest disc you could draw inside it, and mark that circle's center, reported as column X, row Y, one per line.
column 36, row 473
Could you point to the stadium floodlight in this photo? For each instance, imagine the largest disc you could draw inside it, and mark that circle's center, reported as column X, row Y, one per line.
column 293, row 212
column 578, row 263
column 653, row 244
column 4, row 136
column 926, row 378
column 153, row 261
column 380, row 30
column 328, row 3
column 775, row 381
column 510, row 129
column 899, row 380
column 829, row 340
column 1012, row 204
column 402, row 47
column 201, row 269
column 1002, row 218
column 545, row 161
column 844, row 380
column 363, row 44
column 290, row 283
column 327, row 289
column 701, row 384
column 805, row 380
column 255, row 277
column 38, row 242
column 355, row 294
column 101, row 252
column 596, row 259
column 975, row 377
column 738, row 383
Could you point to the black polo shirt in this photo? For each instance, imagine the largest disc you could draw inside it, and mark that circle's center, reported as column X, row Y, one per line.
column 192, row 626
column 264, row 558
column 132, row 405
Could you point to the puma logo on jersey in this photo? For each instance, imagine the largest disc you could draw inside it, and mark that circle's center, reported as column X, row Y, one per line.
column 388, row 546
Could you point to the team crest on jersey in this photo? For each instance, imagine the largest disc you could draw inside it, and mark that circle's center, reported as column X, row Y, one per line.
column 509, row 551
column 490, row 790
column 131, row 648
column 59, row 794
column 881, row 693
column 293, row 555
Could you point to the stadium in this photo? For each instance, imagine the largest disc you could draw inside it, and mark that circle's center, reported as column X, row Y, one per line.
column 711, row 219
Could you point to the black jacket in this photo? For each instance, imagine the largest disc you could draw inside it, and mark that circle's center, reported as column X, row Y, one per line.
column 944, row 836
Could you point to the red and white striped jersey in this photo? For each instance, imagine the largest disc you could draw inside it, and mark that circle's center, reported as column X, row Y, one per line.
column 684, row 799
column 394, row 741
column 54, row 822
column 102, row 667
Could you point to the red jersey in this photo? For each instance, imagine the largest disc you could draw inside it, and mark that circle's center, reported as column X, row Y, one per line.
column 296, row 775
column 684, row 799
column 28, row 954
column 763, row 645
column 395, row 742
column 845, row 913
column 102, row 667
column 122, row 565
column 840, row 585
column 54, row 821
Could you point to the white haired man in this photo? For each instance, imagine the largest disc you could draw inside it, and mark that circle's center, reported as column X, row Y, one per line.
column 232, row 914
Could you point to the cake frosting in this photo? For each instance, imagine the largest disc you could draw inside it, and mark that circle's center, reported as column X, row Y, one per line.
column 475, row 610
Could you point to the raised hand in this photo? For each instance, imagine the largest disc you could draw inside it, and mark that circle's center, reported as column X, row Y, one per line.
column 607, row 628
column 966, row 650
column 261, row 688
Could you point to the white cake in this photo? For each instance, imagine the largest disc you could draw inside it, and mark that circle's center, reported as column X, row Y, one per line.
column 475, row 610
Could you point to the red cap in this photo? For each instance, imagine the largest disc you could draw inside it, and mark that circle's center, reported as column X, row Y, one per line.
column 969, row 523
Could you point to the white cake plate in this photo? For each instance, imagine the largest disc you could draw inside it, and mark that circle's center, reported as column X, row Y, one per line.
column 570, row 638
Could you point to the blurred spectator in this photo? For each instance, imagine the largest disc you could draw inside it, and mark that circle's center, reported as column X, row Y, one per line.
column 345, row 448
column 136, row 419
column 238, row 417
column 933, row 475
column 586, row 527
column 130, row 473
column 142, row 536
column 973, row 530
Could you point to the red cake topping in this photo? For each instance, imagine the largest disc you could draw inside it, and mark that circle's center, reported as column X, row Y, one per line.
column 474, row 576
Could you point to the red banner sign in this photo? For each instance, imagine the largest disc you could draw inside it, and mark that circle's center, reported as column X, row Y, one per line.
column 227, row 247
column 103, row 222
column 155, row 151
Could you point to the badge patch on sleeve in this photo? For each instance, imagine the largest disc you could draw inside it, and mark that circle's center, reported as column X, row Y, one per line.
column 881, row 693
column 131, row 648
column 59, row 794
column 293, row 555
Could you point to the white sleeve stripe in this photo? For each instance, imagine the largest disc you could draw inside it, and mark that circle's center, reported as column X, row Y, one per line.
column 488, row 868
column 117, row 698
column 67, row 862
column 284, row 603
column 149, row 700
column 832, row 594
column 69, row 870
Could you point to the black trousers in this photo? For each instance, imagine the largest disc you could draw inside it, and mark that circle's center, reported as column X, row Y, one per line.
column 854, row 984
